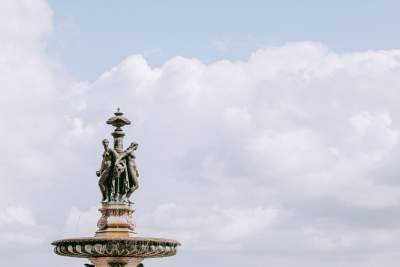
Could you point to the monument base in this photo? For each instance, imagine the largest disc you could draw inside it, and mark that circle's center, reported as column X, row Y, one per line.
column 115, row 262
column 116, row 221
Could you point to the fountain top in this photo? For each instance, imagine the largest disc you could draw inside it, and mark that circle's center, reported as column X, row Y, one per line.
column 118, row 120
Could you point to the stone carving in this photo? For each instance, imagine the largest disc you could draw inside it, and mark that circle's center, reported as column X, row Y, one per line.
column 125, row 247
column 116, row 219
column 102, row 223
column 118, row 172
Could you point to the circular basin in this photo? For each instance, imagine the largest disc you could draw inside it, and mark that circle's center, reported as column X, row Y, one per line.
column 138, row 247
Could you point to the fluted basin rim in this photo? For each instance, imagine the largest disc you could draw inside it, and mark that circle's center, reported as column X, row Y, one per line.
column 138, row 247
column 133, row 238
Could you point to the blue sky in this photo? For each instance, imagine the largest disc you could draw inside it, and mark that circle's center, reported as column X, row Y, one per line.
column 89, row 36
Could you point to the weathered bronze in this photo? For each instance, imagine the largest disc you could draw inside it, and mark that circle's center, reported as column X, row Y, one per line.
column 118, row 172
column 116, row 243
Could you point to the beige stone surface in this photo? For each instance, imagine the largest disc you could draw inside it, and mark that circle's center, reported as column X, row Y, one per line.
column 115, row 241
column 105, row 262
column 116, row 221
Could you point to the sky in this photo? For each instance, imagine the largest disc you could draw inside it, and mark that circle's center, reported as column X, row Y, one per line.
column 99, row 34
column 269, row 134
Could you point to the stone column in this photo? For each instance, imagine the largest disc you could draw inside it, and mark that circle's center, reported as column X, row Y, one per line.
column 118, row 136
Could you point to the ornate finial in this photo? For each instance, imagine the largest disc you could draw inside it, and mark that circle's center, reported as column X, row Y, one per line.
column 118, row 120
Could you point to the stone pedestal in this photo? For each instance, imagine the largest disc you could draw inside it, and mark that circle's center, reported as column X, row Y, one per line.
column 115, row 243
column 116, row 221
column 113, row 262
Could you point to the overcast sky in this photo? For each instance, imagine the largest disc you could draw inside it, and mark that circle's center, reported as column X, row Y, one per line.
column 269, row 134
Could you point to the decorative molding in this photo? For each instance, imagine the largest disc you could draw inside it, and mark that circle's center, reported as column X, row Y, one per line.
column 116, row 217
column 138, row 247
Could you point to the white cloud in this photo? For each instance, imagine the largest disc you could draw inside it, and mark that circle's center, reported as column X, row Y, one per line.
column 19, row 227
column 208, row 228
column 298, row 128
column 81, row 222
column 16, row 215
column 292, row 152
column 28, row 98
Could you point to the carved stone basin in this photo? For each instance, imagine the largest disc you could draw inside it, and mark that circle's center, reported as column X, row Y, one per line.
column 115, row 243
column 138, row 247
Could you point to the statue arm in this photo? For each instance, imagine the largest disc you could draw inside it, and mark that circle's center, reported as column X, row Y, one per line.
column 136, row 171
column 127, row 152
column 99, row 172
column 114, row 154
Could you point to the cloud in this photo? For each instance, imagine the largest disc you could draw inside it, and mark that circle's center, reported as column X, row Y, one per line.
column 212, row 228
column 18, row 215
column 17, row 27
column 19, row 228
column 81, row 222
column 289, row 156
column 31, row 88
column 296, row 131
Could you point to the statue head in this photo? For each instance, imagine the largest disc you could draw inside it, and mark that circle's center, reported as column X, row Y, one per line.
column 105, row 142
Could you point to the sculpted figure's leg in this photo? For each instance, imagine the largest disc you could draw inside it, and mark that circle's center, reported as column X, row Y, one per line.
column 134, row 185
column 102, row 188
column 103, row 184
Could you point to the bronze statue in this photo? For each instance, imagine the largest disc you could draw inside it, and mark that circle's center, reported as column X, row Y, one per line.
column 109, row 156
column 133, row 172
column 118, row 173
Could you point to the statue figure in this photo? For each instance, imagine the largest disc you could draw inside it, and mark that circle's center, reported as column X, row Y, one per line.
column 125, row 174
column 118, row 173
column 133, row 172
column 129, row 180
column 109, row 156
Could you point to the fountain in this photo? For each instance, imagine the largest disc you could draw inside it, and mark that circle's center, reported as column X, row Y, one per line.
column 116, row 243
